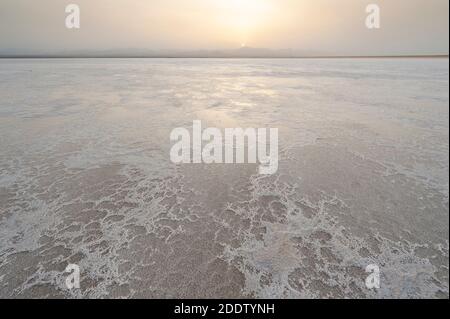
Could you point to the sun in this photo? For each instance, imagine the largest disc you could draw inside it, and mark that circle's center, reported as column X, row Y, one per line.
column 249, row 5
column 244, row 17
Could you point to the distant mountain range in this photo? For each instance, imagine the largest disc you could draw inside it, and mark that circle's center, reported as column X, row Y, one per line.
column 243, row 52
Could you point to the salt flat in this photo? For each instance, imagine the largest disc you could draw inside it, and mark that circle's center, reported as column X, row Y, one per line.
column 86, row 178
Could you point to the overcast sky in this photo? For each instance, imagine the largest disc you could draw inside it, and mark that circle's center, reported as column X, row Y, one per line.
column 323, row 26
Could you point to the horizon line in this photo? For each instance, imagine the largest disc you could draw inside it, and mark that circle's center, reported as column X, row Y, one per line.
column 38, row 56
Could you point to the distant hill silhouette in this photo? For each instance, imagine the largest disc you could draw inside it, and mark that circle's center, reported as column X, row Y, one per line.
column 243, row 52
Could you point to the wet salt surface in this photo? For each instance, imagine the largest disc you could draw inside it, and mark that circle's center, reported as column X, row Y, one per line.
column 85, row 178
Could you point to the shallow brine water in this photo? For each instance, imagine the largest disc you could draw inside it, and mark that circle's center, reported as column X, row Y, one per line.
column 86, row 178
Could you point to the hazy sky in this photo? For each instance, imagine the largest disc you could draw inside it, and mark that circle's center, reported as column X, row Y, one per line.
column 323, row 26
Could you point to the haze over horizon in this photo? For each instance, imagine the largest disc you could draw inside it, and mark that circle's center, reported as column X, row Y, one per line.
column 300, row 27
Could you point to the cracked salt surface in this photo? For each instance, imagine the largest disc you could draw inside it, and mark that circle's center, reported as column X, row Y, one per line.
column 85, row 178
